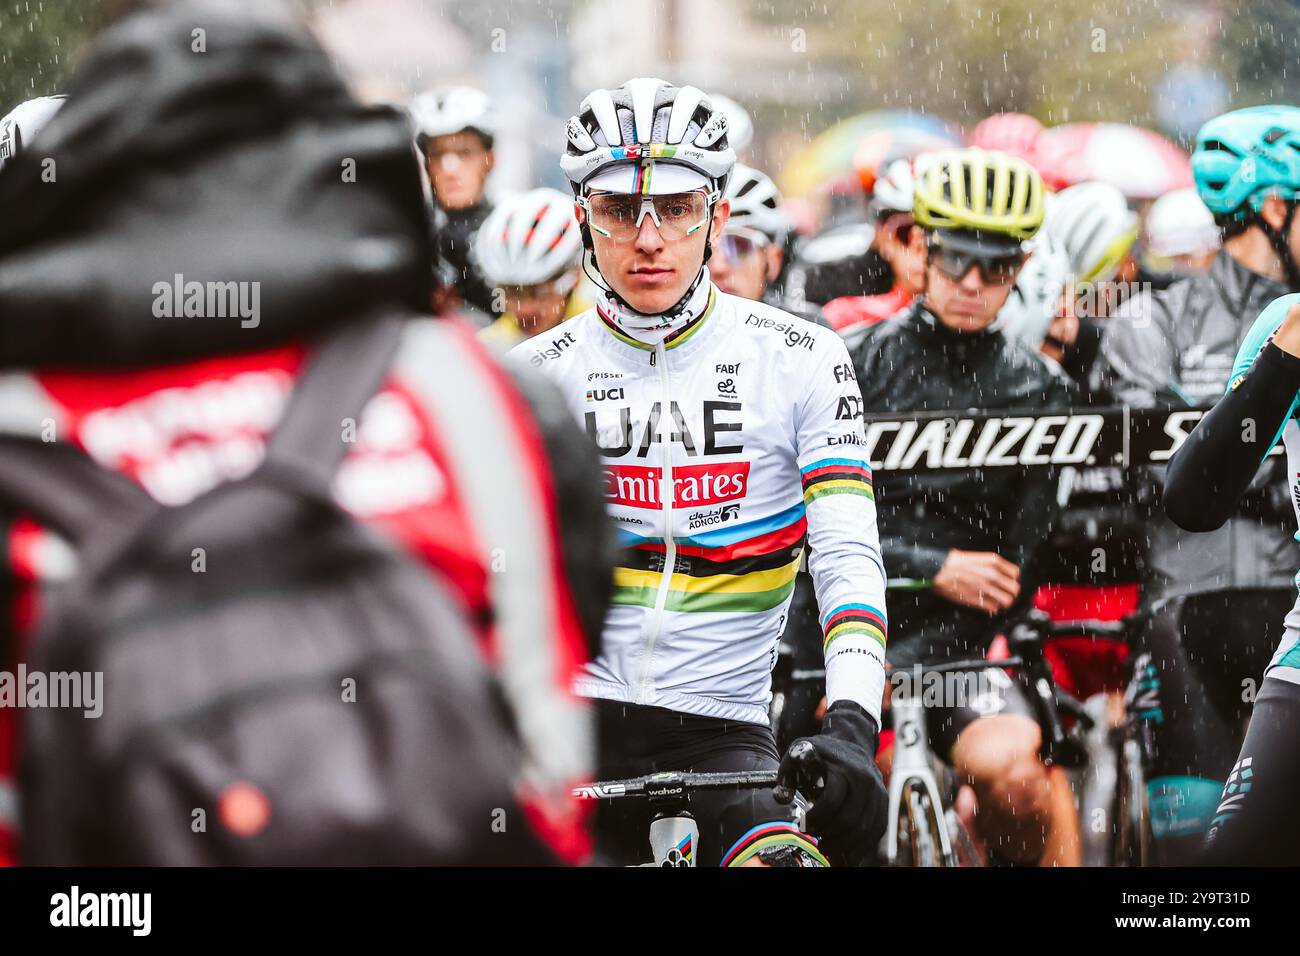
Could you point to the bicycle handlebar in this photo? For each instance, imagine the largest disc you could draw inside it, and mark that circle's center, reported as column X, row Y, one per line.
column 657, row 786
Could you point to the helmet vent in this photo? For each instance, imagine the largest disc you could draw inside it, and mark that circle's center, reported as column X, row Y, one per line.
column 1213, row 145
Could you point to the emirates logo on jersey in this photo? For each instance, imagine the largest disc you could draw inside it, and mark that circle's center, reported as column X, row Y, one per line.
column 694, row 486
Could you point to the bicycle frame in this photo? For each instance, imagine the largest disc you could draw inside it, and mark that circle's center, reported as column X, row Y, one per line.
column 913, row 765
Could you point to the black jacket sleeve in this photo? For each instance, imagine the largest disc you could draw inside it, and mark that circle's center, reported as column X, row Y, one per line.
column 1211, row 471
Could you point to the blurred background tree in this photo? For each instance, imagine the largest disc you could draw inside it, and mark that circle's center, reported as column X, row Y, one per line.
column 40, row 41
column 797, row 65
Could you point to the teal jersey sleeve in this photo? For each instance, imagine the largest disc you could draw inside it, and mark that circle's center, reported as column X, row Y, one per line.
column 1253, row 344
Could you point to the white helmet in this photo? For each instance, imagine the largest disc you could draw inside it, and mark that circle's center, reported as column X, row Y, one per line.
column 1032, row 304
column 756, row 203
column 455, row 110
column 1180, row 224
column 1093, row 224
column 894, row 189
column 528, row 238
column 24, row 122
column 740, row 128
column 650, row 137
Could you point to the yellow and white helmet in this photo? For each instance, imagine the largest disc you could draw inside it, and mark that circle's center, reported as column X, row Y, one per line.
column 979, row 190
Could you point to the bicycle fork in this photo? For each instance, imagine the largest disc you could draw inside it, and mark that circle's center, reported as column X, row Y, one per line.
column 912, row 771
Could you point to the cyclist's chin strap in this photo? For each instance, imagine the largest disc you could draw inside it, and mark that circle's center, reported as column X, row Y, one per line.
column 1282, row 247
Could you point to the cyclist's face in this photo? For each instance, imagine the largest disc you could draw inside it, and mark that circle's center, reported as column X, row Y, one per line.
column 458, row 167
column 969, row 303
column 538, row 308
column 743, row 265
column 651, row 271
column 901, row 243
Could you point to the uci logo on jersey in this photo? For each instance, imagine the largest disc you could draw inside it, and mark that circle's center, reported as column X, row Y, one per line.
column 604, row 394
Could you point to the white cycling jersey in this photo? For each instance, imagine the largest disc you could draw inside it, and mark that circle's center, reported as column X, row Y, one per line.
column 727, row 447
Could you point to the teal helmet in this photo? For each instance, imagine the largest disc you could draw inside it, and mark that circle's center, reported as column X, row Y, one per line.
column 1245, row 156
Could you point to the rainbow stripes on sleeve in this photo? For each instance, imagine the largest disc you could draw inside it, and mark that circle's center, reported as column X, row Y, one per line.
column 853, row 619
column 836, row 476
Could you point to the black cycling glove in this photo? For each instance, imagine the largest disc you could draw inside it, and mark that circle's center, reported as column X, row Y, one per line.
column 837, row 771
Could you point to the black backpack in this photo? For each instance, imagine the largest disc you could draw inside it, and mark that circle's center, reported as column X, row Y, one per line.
column 298, row 691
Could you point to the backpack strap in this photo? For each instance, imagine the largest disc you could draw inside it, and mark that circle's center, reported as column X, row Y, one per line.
column 343, row 374
column 54, row 482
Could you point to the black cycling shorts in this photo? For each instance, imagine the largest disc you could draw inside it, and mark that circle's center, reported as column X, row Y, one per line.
column 634, row 740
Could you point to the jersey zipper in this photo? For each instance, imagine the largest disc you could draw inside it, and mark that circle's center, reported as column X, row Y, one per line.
column 670, row 545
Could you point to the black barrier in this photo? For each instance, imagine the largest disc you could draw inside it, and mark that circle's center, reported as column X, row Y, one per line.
column 1018, row 438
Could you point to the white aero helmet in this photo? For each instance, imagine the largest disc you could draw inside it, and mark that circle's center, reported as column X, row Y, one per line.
column 1094, row 225
column 1179, row 224
column 756, row 203
column 528, row 239
column 454, row 110
column 740, row 128
column 650, row 137
column 1032, row 304
column 24, row 122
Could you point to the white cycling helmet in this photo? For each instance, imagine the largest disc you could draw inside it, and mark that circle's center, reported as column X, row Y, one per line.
column 1180, row 224
column 740, row 128
column 1093, row 224
column 650, row 137
column 455, row 110
column 528, row 239
column 23, row 122
column 894, row 188
column 1032, row 304
column 756, row 203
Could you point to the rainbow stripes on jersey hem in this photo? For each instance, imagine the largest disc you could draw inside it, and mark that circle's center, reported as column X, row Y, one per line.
column 672, row 341
column 777, row 833
column 854, row 619
column 836, row 476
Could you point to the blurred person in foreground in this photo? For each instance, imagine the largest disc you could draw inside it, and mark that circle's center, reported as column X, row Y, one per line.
column 965, row 541
column 155, row 185
column 530, row 251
